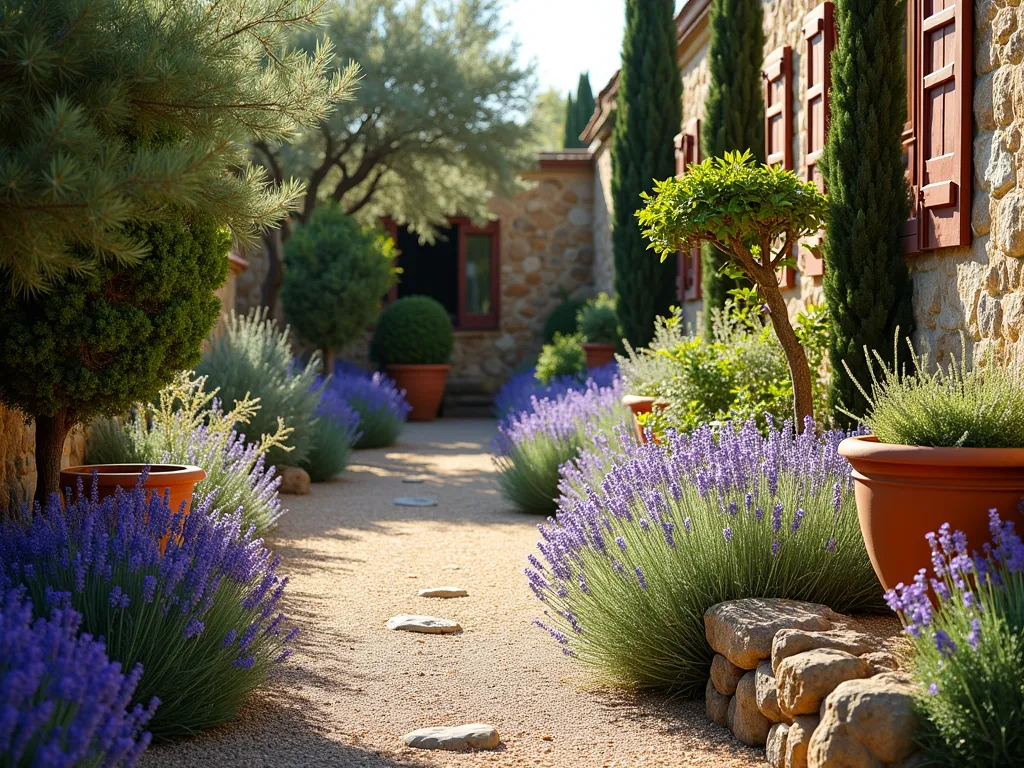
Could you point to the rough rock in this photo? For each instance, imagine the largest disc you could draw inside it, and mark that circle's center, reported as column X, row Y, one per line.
column 775, row 749
column 716, row 705
column 443, row 592
column 866, row 723
column 790, row 642
column 806, row 679
column 743, row 630
column 880, row 661
column 461, row 738
column 725, row 675
column 294, row 481
column 745, row 719
column 429, row 625
column 415, row 501
column 799, row 739
column 767, row 693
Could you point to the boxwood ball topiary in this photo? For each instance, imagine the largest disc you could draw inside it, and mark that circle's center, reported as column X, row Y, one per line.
column 563, row 319
column 415, row 330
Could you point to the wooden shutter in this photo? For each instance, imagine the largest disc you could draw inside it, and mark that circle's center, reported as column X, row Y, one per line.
column 943, row 125
column 689, row 273
column 909, row 231
column 778, row 122
column 819, row 40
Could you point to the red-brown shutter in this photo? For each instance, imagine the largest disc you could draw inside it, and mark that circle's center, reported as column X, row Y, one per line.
column 819, row 40
column 908, row 233
column 778, row 122
column 944, row 60
column 689, row 274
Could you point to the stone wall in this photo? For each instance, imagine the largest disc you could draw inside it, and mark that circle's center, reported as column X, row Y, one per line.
column 604, row 256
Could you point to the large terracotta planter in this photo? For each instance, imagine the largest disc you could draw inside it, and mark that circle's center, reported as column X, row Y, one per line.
column 599, row 354
column 178, row 479
column 904, row 492
column 640, row 405
column 424, row 388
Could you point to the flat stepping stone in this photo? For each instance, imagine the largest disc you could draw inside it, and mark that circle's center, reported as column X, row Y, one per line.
column 414, row 480
column 428, row 625
column 415, row 501
column 443, row 592
column 461, row 738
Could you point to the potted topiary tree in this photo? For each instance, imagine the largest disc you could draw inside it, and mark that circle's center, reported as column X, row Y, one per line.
column 337, row 272
column 756, row 215
column 599, row 324
column 413, row 340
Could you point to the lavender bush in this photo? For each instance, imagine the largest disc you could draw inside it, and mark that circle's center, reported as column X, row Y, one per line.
column 517, row 394
column 380, row 404
column 532, row 445
column 967, row 625
column 63, row 704
column 648, row 537
column 335, row 432
column 198, row 612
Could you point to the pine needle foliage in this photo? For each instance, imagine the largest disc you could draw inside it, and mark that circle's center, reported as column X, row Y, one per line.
column 733, row 114
column 113, row 111
column 648, row 116
column 961, row 406
column 866, row 283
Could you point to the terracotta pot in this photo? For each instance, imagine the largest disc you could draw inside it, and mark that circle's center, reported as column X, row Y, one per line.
column 179, row 479
column 640, row 405
column 905, row 491
column 424, row 388
column 599, row 354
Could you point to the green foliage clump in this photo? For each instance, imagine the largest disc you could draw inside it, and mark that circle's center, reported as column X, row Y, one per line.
column 961, row 405
column 867, row 284
column 563, row 319
column 733, row 116
column 252, row 357
column 563, row 357
column 753, row 213
column 648, row 115
column 598, row 322
column 337, row 274
column 333, row 440
column 187, row 425
column 415, row 330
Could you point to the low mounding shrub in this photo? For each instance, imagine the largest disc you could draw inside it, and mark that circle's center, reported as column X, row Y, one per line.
column 516, row 395
column 563, row 319
column 187, row 425
column 200, row 616
column 598, row 322
column 648, row 537
column 380, row 404
column 968, row 634
column 252, row 358
column 562, row 357
column 337, row 430
column 532, row 445
column 64, row 703
column 961, row 405
column 415, row 330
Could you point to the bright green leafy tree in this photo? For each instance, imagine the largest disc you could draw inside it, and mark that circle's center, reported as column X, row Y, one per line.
column 649, row 113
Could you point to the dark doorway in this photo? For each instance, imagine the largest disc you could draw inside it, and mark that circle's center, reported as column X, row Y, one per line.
column 431, row 270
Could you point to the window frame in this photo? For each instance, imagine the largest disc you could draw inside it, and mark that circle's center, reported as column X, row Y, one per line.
column 479, row 321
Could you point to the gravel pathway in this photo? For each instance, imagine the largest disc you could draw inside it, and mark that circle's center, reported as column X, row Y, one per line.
column 354, row 688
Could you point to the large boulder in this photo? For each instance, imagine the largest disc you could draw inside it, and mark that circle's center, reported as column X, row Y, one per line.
column 790, row 642
column 743, row 630
column 716, row 705
column 767, row 693
column 799, row 739
column 725, row 675
column 775, row 749
column 806, row 679
column 866, row 724
column 745, row 719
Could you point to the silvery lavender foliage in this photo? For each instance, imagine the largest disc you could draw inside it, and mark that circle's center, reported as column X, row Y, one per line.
column 648, row 537
column 967, row 625
column 533, row 444
column 337, row 430
column 381, row 406
column 198, row 608
column 63, row 703
column 517, row 394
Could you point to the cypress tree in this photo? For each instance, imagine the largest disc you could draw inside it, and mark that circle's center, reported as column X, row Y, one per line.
column 733, row 112
column 649, row 113
column 585, row 103
column 572, row 131
column 867, row 285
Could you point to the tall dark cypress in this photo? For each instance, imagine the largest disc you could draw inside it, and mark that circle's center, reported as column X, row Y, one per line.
column 867, row 286
column 585, row 103
column 733, row 112
column 571, row 138
column 649, row 115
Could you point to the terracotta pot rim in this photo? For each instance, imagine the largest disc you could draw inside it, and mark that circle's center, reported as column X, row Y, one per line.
column 868, row 448
column 417, row 367
column 597, row 345
column 119, row 474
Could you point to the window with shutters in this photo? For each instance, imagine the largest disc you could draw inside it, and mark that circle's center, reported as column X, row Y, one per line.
column 819, row 34
column 778, row 122
column 687, row 152
column 937, row 137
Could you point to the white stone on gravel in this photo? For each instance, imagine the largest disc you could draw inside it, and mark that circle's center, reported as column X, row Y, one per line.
column 443, row 592
column 460, row 738
column 415, row 501
column 413, row 480
column 428, row 625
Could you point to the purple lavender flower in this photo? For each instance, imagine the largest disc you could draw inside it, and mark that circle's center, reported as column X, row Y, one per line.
column 380, row 406
column 727, row 534
column 944, row 643
column 933, row 689
column 974, row 636
column 517, row 394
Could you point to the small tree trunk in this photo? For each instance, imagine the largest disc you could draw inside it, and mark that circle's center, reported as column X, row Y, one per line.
column 51, row 432
column 327, row 354
column 799, row 368
column 272, row 244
